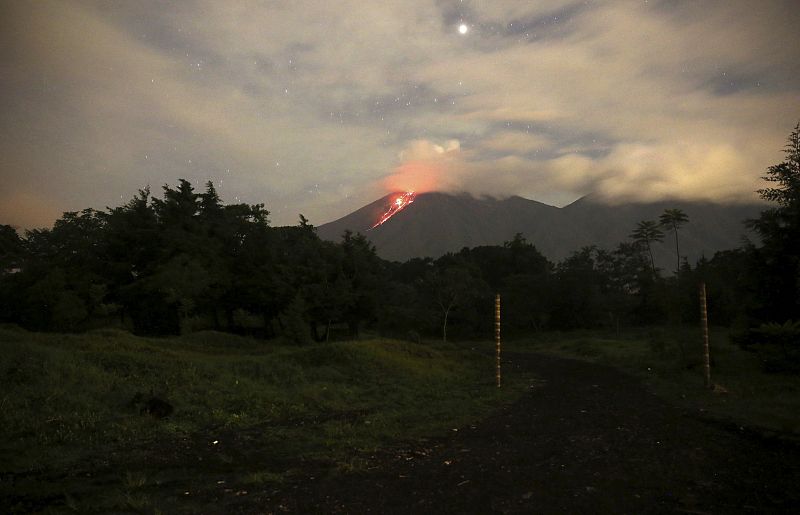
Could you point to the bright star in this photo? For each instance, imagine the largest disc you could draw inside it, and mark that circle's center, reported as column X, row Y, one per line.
column 462, row 29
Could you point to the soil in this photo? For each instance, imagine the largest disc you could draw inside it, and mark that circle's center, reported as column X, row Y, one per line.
column 590, row 439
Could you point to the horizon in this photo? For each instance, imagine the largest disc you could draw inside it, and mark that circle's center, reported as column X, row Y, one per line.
column 593, row 197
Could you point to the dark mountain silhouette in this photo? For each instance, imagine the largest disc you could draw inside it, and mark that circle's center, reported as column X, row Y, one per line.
column 437, row 223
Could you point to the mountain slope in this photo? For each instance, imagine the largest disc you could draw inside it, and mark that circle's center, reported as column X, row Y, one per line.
column 437, row 223
column 711, row 226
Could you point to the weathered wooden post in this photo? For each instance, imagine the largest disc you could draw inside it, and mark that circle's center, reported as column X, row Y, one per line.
column 497, row 336
column 704, row 325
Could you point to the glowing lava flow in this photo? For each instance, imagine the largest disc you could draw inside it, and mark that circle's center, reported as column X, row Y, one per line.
column 398, row 204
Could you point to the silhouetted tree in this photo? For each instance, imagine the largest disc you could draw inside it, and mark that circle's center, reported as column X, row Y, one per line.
column 526, row 286
column 577, row 302
column 133, row 243
column 362, row 270
column 12, row 256
column 61, row 284
column 647, row 232
column 673, row 219
column 778, row 260
column 12, row 249
column 251, row 258
column 451, row 286
column 188, row 260
column 731, row 284
column 621, row 271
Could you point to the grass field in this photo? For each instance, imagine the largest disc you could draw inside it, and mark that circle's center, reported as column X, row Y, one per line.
column 247, row 414
column 252, row 415
column 669, row 361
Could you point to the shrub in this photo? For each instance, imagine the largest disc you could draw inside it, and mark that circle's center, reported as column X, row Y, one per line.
column 778, row 345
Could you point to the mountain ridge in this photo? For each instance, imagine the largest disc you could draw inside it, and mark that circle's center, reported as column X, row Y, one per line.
column 437, row 223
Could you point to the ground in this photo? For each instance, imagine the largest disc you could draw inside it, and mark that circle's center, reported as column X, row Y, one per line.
column 589, row 439
column 584, row 438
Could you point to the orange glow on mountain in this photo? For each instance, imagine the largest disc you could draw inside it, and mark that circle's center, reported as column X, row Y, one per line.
column 399, row 203
column 417, row 176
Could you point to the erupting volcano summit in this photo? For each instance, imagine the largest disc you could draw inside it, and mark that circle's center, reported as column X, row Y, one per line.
column 397, row 205
column 438, row 223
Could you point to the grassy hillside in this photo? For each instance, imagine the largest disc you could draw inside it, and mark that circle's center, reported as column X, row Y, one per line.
column 246, row 414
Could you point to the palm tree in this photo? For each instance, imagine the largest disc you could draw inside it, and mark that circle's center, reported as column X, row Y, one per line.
column 647, row 231
column 673, row 219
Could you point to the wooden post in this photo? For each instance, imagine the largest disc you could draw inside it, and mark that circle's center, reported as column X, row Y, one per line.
column 497, row 335
column 704, row 326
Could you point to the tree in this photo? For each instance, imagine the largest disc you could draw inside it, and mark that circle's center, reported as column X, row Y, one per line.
column 361, row 268
column 673, row 219
column 250, row 258
column 647, row 232
column 133, row 244
column 626, row 282
column 11, row 249
column 526, row 285
column 61, row 273
column 787, row 175
column 12, row 255
column 578, row 302
column 452, row 286
column 778, row 259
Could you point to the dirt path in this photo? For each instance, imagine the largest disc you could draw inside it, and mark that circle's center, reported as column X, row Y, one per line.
column 590, row 440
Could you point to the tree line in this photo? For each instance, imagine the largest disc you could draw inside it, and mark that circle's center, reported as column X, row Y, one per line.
column 185, row 261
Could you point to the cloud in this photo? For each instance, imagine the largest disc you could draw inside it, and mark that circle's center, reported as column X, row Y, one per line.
column 427, row 166
column 101, row 113
column 307, row 105
column 688, row 170
column 631, row 101
column 515, row 142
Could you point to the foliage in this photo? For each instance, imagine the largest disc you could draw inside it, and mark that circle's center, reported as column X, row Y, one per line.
column 187, row 261
column 12, row 249
column 452, row 286
column 646, row 233
column 778, row 345
column 673, row 219
column 777, row 262
column 786, row 174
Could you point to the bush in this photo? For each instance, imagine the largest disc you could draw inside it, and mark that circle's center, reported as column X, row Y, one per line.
column 778, row 345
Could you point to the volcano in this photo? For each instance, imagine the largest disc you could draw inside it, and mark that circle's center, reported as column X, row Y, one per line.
column 437, row 223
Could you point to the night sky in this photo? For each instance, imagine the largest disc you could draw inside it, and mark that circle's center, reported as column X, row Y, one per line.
column 318, row 107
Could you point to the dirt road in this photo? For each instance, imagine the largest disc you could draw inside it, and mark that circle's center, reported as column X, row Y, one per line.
column 590, row 440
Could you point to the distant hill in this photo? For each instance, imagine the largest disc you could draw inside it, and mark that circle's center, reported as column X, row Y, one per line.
column 437, row 223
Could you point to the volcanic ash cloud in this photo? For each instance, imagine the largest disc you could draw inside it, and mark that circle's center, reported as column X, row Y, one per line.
column 427, row 166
